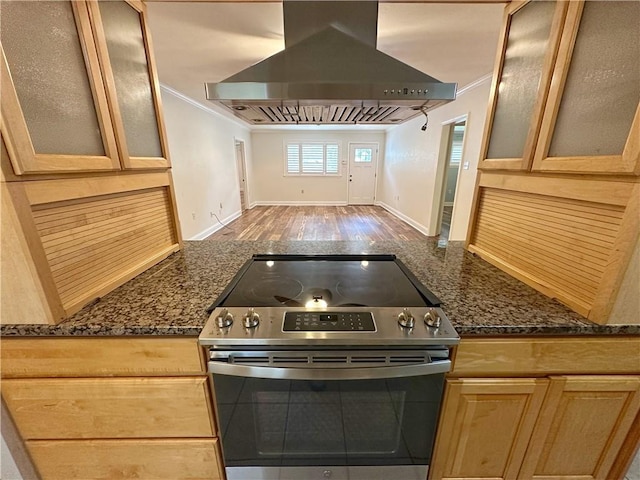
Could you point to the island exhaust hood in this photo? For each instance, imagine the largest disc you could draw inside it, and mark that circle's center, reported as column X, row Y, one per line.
column 330, row 72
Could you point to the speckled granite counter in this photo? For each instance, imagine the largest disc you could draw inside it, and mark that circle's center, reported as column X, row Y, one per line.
column 171, row 297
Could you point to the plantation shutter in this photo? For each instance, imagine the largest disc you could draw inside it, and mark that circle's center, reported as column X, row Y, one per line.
column 293, row 158
column 332, row 158
column 312, row 158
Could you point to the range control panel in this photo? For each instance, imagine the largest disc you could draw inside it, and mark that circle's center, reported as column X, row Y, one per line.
column 328, row 322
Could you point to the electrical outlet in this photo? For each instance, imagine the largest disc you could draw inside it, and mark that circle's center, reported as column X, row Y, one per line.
column 193, row 215
column 301, row 191
column 211, row 214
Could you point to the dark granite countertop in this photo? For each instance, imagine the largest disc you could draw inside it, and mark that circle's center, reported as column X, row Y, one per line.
column 171, row 297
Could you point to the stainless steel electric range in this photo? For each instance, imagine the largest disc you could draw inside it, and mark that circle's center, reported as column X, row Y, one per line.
column 327, row 367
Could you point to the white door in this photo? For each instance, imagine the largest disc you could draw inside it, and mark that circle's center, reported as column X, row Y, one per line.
column 241, row 173
column 363, row 161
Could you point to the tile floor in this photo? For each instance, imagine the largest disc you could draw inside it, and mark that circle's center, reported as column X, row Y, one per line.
column 634, row 471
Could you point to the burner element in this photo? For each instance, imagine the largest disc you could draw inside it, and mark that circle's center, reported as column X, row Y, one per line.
column 366, row 292
column 281, row 289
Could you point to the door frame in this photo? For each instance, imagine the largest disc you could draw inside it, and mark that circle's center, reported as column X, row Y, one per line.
column 377, row 166
column 435, row 221
column 243, row 162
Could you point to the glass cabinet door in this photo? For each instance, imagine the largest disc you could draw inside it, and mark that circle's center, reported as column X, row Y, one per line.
column 521, row 79
column 591, row 122
column 54, row 108
column 131, row 79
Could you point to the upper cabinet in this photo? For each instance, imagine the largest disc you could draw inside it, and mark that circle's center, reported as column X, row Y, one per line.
column 124, row 48
column 591, row 121
column 521, row 78
column 566, row 89
column 72, row 98
column 54, row 106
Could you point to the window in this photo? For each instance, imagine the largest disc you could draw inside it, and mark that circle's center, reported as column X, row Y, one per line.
column 456, row 144
column 312, row 159
column 363, row 155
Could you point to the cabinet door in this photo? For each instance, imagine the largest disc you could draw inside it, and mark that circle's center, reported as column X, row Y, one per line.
column 124, row 47
column 521, row 77
column 582, row 426
column 55, row 114
column 591, row 122
column 485, row 427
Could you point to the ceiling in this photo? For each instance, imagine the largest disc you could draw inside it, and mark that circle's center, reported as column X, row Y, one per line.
column 203, row 42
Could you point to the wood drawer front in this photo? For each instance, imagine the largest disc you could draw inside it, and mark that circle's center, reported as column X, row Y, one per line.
column 110, row 408
column 94, row 357
column 119, row 459
column 547, row 356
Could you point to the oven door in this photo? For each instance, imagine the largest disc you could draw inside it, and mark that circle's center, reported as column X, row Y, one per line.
column 331, row 423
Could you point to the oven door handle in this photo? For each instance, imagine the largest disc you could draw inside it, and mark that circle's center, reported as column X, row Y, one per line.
column 314, row 373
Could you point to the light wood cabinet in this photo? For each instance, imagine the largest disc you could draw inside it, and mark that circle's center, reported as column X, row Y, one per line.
column 522, row 74
column 566, row 89
column 95, row 357
column 561, row 142
column 103, row 408
column 591, row 121
column 581, row 423
column 109, row 407
column 125, row 51
column 81, row 127
column 582, row 414
column 54, row 104
column 80, row 89
column 485, row 427
column 560, row 427
column 121, row 459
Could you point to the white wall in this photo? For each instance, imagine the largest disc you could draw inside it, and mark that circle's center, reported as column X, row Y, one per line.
column 269, row 185
column 202, row 149
column 410, row 179
column 8, row 468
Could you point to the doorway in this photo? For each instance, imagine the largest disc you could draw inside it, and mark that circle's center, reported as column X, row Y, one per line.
column 241, row 174
column 363, row 164
column 455, row 144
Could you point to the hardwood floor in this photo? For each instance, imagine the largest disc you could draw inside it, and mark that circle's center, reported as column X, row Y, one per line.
column 350, row 223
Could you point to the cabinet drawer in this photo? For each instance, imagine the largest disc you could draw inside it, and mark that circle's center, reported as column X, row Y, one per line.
column 110, row 408
column 116, row 459
column 546, row 356
column 89, row 357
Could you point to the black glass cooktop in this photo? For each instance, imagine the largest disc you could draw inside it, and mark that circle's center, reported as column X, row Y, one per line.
column 325, row 280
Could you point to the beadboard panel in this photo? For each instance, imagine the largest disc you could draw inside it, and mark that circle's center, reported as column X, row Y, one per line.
column 92, row 242
column 563, row 245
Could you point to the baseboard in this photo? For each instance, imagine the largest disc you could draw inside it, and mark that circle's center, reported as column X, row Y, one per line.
column 321, row 203
column 421, row 228
column 217, row 226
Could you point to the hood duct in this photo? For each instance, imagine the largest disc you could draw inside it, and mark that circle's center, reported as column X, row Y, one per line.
column 330, row 72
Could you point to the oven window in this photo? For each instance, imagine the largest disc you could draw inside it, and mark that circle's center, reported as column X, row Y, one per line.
column 301, row 422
